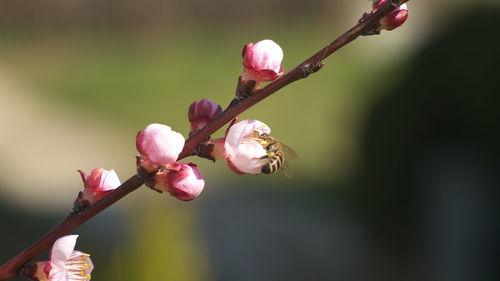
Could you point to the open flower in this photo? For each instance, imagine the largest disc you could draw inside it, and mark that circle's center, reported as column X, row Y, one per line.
column 394, row 19
column 262, row 61
column 159, row 146
column 98, row 183
column 243, row 149
column 184, row 183
column 65, row 263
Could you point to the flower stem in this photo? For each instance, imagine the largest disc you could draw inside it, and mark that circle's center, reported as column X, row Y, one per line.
column 312, row 64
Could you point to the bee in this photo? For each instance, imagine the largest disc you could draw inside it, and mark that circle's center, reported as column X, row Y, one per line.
column 278, row 155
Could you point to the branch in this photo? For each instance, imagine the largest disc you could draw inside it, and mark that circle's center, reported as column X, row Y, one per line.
column 72, row 221
column 313, row 64
column 310, row 65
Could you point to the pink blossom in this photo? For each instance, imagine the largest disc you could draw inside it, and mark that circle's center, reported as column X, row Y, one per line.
column 187, row 183
column 98, row 183
column 394, row 19
column 65, row 263
column 159, row 146
column 201, row 112
column 243, row 149
column 262, row 61
column 184, row 183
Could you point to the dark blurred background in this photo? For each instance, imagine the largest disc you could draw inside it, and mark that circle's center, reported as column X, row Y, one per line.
column 398, row 177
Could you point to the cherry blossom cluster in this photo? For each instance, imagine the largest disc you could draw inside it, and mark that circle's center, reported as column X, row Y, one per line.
column 245, row 148
column 160, row 146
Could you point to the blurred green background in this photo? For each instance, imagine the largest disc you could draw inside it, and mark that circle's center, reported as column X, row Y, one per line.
column 397, row 137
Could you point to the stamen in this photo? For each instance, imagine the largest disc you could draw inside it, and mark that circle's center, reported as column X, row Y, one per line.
column 76, row 268
column 81, row 276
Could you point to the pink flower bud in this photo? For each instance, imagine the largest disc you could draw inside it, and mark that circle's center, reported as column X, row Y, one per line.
column 158, row 146
column 262, row 61
column 185, row 183
column 243, row 149
column 98, row 183
column 394, row 19
column 65, row 263
column 201, row 112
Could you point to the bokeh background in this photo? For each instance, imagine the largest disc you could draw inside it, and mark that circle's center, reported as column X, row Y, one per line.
column 398, row 137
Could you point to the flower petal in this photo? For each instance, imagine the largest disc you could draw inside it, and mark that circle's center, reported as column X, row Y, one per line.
column 243, row 151
column 58, row 275
column 240, row 131
column 62, row 250
column 159, row 143
column 109, row 180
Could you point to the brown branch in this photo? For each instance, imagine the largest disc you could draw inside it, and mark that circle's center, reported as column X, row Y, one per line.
column 72, row 221
column 313, row 64
column 310, row 65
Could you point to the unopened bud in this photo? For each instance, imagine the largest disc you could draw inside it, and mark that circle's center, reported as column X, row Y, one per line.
column 394, row 19
column 159, row 146
column 201, row 112
column 97, row 184
column 185, row 183
column 262, row 61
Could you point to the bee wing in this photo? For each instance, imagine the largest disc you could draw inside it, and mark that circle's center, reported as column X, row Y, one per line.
column 287, row 169
column 289, row 155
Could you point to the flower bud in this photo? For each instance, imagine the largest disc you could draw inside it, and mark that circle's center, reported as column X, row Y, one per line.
column 243, row 150
column 262, row 61
column 185, row 183
column 65, row 263
column 158, row 146
column 97, row 184
column 394, row 19
column 201, row 112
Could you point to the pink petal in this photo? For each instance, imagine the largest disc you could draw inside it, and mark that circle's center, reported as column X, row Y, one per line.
column 186, row 184
column 62, row 250
column 58, row 275
column 109, row 181
column 159, row 143
column 262, row 61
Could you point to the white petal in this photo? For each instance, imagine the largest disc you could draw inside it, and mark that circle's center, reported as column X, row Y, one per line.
column 62, row 250
column 243, row 132
column 248, row 158
column 109, row 180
